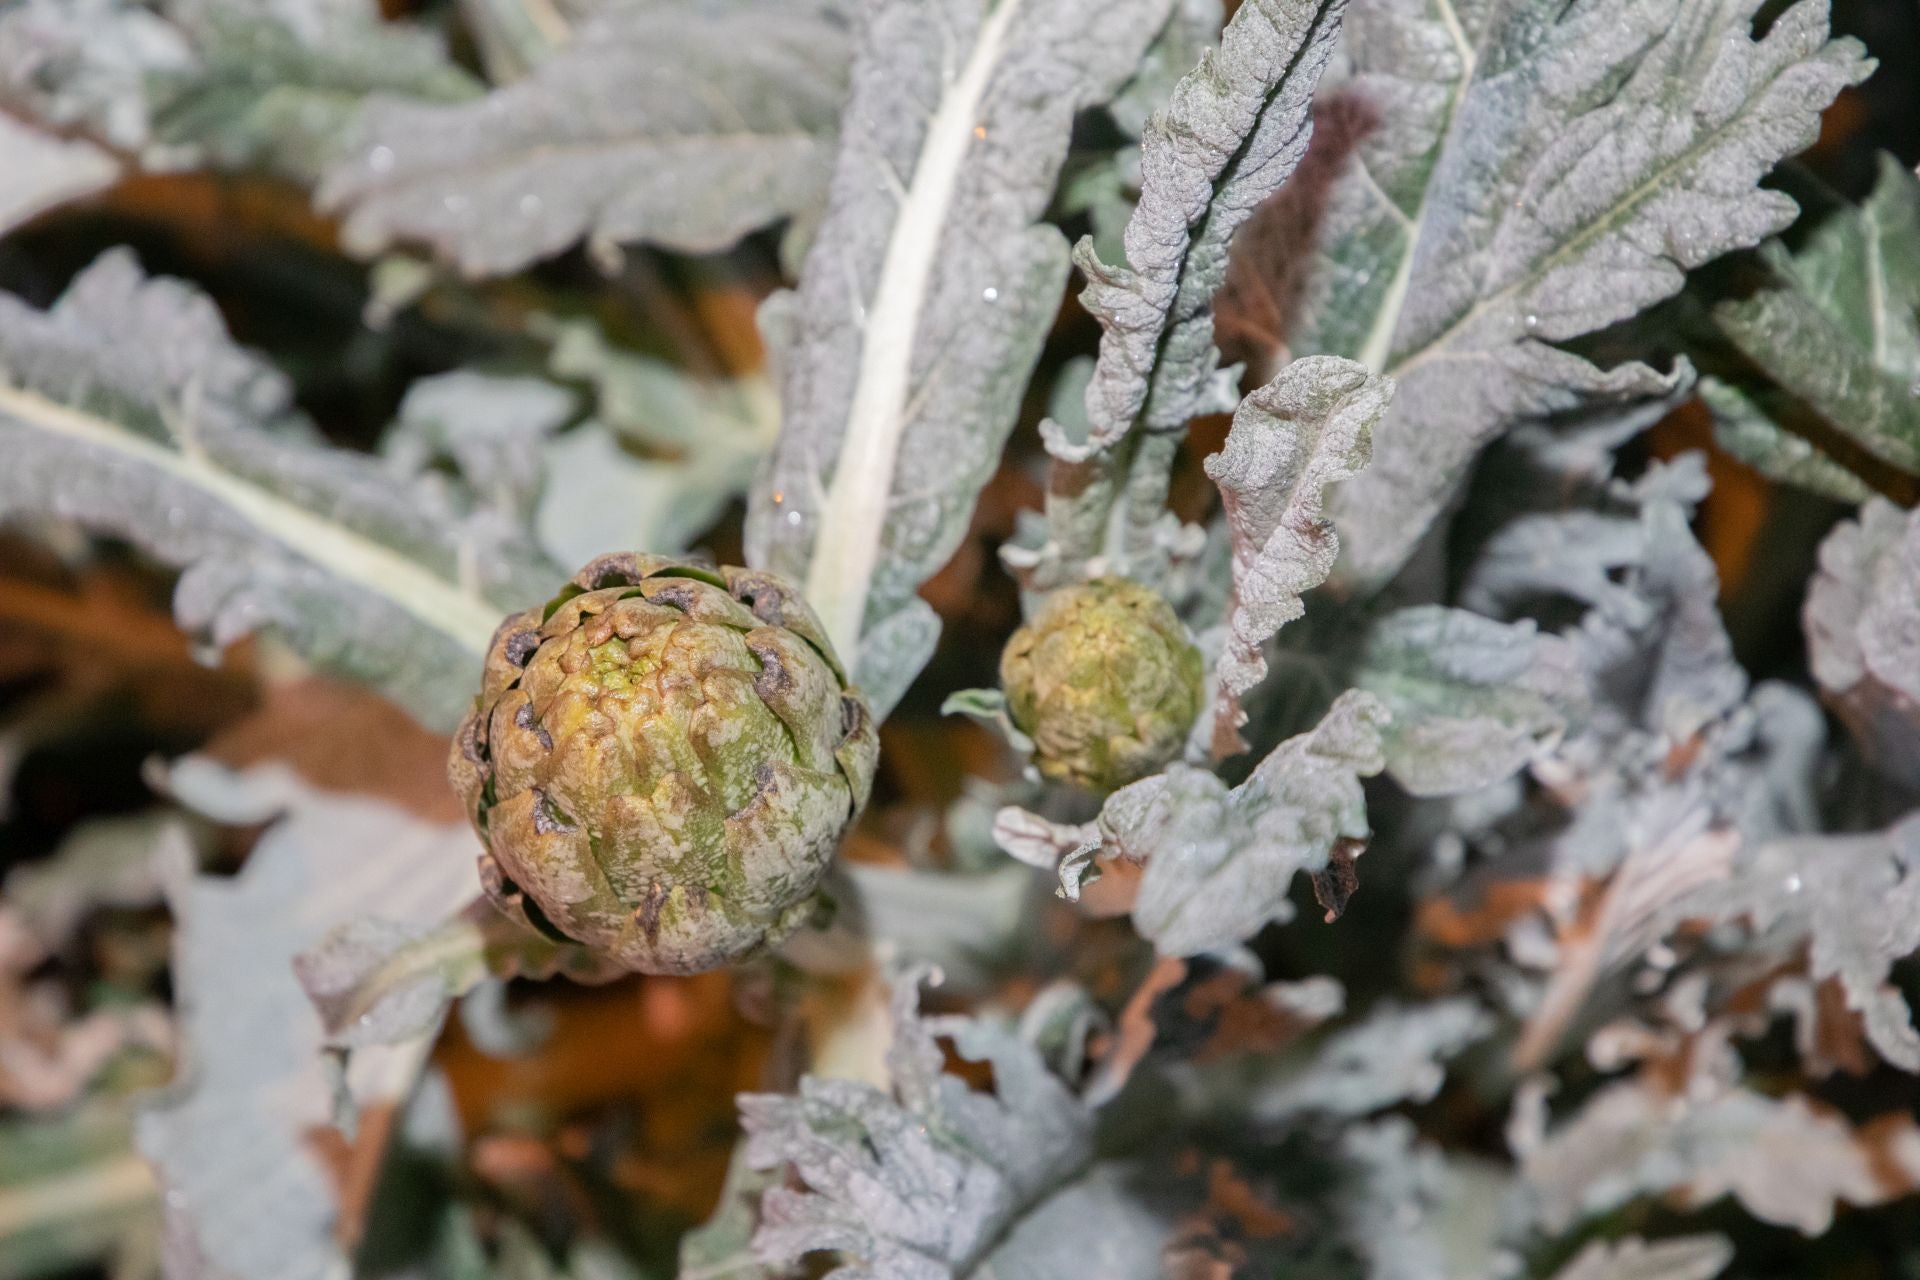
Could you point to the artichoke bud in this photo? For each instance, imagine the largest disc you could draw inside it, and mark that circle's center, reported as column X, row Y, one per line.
column 1106, row 683
column 662, row 761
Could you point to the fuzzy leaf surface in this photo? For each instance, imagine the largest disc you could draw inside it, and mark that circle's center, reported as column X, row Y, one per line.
column 128, row 408
column 929, row 289
column 681, row 126
column 1542, row 171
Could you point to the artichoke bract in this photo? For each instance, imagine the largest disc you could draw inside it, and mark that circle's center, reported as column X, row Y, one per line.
column 661, row 762
column 1105, row 682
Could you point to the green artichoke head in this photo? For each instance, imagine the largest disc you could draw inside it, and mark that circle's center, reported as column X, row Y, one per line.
column 661, row 762
column 1105, row 682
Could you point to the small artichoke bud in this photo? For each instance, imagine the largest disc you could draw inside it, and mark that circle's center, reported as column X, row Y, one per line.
column 661, row 762
column 1105, row 682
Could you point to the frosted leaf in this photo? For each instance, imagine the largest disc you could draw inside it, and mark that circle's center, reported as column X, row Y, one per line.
column 1472, row 700
column 1542, row 172
column 664, row 456
column 376, row 980
column 1838, row 328
column 86, row 65
column 1395, row 1054
column 45, row 171
column 893, row 654
column 1233, row 132
column 680, row 127
column 928, row 291
column 1306, row 430
column 101, row 862
column 280, row 86
column 127, row 408
column 1414, row 1214
column 233, row 1138
column 1853, row 901
column 1678, row 1258
column 1219, row 861
column 1744, row 427
column 1862, row 620
column 491, row 429
column 1788, row 1161
column 933, row 1181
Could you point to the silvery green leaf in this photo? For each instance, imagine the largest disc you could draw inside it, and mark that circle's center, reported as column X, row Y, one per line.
column 45, row 171
column 1543, row 171
column 1233, row 132
column 128, row 408
column 1413, row 1213
column 721, row 1248
column 1677, row 1258
column 933, row 1181
column 233, row 1137
column 377, row 980
column 677, row 126
column 1863, row 633
column 1472, row 699
column 1191, row 32
column 281, row 86
column 1395, row 1054
column 667, row 453
column 1839, row 329
column 1853, row 901
column 104, row 1207
column 1219, row 861
column 968, row 926
column 102, row 862
column 1787, row 1161
column 1743, row 427
column 1291, row 440
column 929, row 289
column 85, row 65
column 491, row 429
column 893, row 654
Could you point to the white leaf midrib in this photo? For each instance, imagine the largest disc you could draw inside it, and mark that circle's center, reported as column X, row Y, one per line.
column 853, row 517
column 352, row 558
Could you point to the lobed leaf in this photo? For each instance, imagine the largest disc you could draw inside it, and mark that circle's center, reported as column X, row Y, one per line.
column 1862, row 623
column 1291, row 440
column 924, row 301
column 1542, row 171
column 1234, row 130
column 1472, row 700
column 128, row 408
column 246, row 1190
column 1839, row 326
column 1219, row 861
column 681, row 126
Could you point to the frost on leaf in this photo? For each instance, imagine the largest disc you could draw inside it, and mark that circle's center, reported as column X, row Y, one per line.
column 127, row 407
column 926, row 296
column 1395, row 1054
column 1680, row 1258
column 680, row 126
column 233, row 1138
column 1233, row 132
column 1291, row 440
column 1219, row 860
column 1862, row 620
column 663, row 454
column 230, row 84
column 1788, row 1161
column 934, row 1181
column 45, row 171
column 1472, row 700
column 1853, row 903
column 1838, row 327
column 1541, row 172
